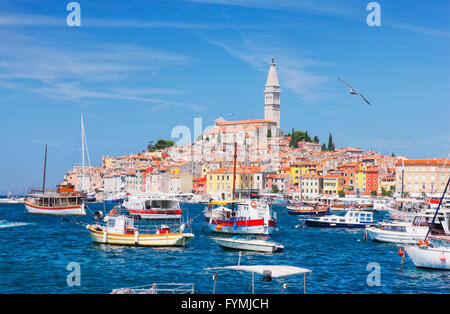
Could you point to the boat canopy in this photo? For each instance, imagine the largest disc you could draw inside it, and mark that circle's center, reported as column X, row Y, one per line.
column 276, row 270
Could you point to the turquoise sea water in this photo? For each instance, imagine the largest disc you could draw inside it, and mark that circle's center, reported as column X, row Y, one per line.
column 36, row 249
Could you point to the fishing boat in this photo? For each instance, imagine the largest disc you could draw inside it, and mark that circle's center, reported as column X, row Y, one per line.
column 62, row 201
column 352, row 219
column 158, row 288
column 121, row 230
column 244, row 217
column 425, row 256
column 305, row 209
column 396, row 231
column 147, row 207
column 248, row 216
column 241, row 243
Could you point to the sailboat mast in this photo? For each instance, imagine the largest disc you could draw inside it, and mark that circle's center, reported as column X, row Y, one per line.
column 234, row 172
column 45, row 169
column 82, row 154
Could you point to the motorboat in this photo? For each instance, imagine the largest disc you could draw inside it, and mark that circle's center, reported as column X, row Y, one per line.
column 147, row 207
column 352, row 219
column 425, row 256
column 244, row 217
column 242, row 243
column 397, row 231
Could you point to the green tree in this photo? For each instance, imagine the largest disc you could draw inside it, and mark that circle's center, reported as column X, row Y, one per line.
column 275, row 188
column 316, row 139
column 341, row 193
column 299, row 136
column 269, row 133
column 324, row 147
column 330, row 143
column 373, row 193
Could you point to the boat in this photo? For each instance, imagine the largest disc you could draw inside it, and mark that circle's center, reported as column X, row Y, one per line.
column 424, row 256
column 352, row 219
column 305, row 209
column 247, row 216
column 244, row 217
column 158, row 288
column 62, row 201
column 269, row 272
column 115, row 199
column 397, row 231
column 148, row 207
column 240, row 243
column 121, row 230
column 9, row 200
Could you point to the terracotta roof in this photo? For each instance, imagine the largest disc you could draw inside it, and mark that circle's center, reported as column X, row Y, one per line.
column 424, row 162
column 243, row 122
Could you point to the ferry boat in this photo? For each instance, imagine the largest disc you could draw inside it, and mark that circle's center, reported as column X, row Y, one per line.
column 240, row 243
column 410, row 232
column 121, row 230
column 352, row 219
column 305, row 209
column 250, row 217
column 147, row 207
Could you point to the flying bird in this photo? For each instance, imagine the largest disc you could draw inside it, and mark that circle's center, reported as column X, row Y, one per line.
column 352, row 91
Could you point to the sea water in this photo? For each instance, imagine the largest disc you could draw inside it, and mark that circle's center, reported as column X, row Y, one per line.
column 36, row 250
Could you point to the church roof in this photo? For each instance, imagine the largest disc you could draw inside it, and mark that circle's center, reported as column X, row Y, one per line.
column 272, row 78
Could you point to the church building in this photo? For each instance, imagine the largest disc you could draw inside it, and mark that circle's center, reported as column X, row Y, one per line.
column 252, row 130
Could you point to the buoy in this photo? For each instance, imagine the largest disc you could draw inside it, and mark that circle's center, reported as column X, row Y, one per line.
column 442, row 257
column 219, row 227
column 400, row 252
column 420, row 242
column 253, row 203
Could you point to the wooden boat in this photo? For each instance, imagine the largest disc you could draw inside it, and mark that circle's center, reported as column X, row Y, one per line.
column 121, row 230
column 240, row 243
column 308, row 210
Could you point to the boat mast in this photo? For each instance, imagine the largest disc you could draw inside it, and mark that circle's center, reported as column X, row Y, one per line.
column 82, row 154
column 234, row 172
column 45, row 168
column 439, row 206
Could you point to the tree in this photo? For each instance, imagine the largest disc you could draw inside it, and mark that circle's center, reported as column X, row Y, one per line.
column 393, row 155
column 299, row 136
column 269, row 133
column 316, row 139
column 275, row 188
column 341, row 193
column 330, row 143
column 324, row 147
column 373, row 193
column 160, row 144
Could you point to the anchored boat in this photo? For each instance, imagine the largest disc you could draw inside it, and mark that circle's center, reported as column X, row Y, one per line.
column 240, row 243
column 308, row 210
column 147, row 207
column 352, row 219
column 424, row 256
column 121, row 229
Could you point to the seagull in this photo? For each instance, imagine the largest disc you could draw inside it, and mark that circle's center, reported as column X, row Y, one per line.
column 352, row 91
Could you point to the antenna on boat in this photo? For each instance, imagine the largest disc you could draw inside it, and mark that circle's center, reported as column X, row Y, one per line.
column 45, row 169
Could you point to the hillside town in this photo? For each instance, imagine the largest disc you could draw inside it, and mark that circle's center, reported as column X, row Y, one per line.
column 268, row 161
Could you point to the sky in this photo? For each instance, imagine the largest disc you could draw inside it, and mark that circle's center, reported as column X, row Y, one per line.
column 136, row 69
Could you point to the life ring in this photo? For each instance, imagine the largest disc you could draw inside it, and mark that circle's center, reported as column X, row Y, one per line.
column 113, row 211
column 253, row 204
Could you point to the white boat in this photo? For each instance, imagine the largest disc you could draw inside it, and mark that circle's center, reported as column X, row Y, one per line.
column 240, row 243
column 411, row 232
column 151, row 207
column 244, row 217
column 429, row 257
column 121, row 230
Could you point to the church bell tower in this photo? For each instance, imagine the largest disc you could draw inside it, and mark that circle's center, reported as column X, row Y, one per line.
column 272, row 96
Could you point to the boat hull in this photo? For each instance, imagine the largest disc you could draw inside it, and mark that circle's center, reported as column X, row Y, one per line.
column 326, row 224
column 308, row 212
column 60, row 210
column 258, row 246
column 378, row 235
column 254, row 227
column 435, row 258
column 168, row 239
column 156, row 214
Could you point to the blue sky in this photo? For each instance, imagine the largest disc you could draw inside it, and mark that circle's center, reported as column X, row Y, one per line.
column 136, row 69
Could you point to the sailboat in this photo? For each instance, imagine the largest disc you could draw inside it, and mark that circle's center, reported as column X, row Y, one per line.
column 432, row 256
column 61, row 201
column 84, row 179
